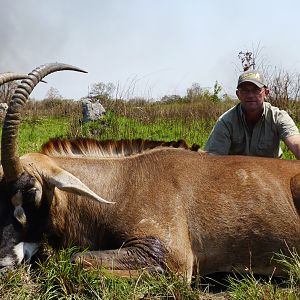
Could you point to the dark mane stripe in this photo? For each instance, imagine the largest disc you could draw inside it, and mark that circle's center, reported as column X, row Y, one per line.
column 90, row 147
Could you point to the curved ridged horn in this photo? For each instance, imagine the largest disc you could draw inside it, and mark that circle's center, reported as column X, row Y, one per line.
column 10, row 160
column 6, row 77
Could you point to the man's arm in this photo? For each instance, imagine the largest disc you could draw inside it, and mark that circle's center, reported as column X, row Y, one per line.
column 293, row 143
column 219, row 141
column 289, row 132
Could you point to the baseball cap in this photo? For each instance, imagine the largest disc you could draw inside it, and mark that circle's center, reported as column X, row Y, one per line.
column 253, row 76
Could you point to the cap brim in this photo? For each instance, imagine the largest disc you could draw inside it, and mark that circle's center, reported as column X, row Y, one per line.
column 258, row 84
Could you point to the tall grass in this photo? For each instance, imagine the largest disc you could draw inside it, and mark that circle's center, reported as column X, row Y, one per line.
column 35, row 131
column 57, row 278
column 256, row 288
column 191, row 121
column 113, row 127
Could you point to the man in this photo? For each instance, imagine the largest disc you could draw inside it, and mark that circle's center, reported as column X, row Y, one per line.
column 253, row 127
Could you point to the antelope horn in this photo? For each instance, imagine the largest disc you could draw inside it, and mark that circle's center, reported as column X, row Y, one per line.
column 10, row 160
column 5, row 77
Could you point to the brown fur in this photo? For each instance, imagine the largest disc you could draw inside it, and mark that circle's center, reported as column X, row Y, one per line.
column 211, row 213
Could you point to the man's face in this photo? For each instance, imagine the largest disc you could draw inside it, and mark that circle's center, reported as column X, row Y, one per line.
column 251, row 96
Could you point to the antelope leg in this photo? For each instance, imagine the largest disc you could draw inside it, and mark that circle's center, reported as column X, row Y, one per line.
column 137, row 254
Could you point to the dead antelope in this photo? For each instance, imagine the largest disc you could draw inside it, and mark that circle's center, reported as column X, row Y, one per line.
column 159, row 209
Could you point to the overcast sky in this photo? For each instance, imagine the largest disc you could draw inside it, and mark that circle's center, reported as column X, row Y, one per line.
column 153, row 47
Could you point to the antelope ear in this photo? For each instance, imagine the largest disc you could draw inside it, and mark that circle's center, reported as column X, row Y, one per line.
column 67, row 182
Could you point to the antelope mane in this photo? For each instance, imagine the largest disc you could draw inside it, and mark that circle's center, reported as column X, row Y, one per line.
column 109, row 148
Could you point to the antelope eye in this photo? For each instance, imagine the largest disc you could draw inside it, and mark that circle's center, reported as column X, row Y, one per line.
column 32, row 190
column 29, row 196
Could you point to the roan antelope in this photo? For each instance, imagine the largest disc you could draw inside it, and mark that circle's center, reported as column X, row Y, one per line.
column 159, row 209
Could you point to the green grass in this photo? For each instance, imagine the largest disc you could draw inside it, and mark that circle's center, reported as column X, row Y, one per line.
column 193, row 131
column 252, row 287
column 57, row 278
column 35, row 131
column 112, row 127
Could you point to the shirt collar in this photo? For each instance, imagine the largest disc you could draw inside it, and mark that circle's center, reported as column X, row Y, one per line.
column 242, row 114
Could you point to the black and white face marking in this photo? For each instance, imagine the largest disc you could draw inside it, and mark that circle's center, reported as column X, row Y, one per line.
column 20, row 221
column 13, row 253
column 8, row 242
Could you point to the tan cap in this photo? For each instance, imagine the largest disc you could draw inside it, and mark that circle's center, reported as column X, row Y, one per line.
column 253, row 76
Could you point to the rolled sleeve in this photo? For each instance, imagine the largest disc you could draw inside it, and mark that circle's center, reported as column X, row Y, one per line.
column 286, row 125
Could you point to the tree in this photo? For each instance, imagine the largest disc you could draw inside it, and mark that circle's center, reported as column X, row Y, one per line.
column 170, row 98
column 53, row 94
column 194, row 91
column 102, row 90
column 197, row 93
column 217, row 90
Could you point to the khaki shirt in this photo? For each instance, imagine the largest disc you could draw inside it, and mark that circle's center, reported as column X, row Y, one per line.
column 232, row 136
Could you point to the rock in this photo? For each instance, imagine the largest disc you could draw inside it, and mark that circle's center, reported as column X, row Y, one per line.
column 92, row 111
